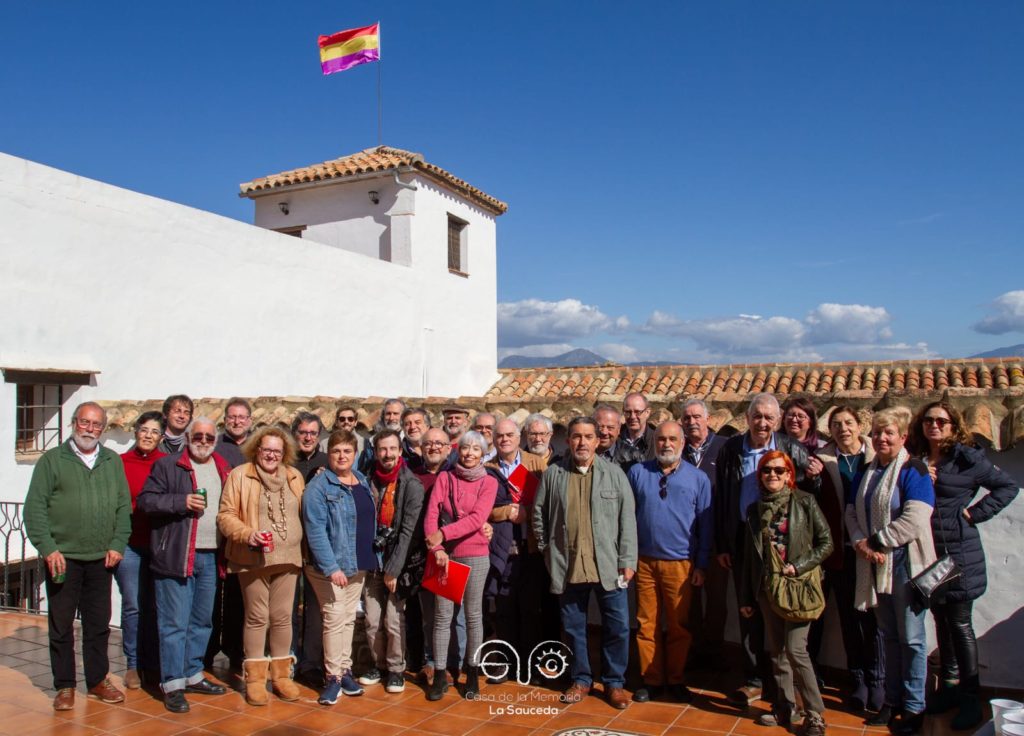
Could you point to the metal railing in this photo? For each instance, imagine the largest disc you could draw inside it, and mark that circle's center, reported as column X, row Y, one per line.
column 22, row 576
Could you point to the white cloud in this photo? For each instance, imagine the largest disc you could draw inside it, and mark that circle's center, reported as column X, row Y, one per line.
column 829, row 332
column 744, row 334
column 1006, row 314
column 618, row 352
column 847, row 323
column 535, row 321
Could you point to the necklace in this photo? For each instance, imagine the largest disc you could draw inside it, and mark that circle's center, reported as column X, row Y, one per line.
column 280, row 526
column 850, row 460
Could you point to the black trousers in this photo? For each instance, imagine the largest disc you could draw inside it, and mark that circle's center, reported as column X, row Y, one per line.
column 86, row 588
column 958, row 646
column 228, row 621
column 865, row 651
column 757, row 669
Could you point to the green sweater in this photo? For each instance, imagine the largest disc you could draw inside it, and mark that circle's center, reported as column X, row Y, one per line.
column 81, row 512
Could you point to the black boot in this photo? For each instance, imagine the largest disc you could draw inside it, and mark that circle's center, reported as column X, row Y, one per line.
column 858, row 699
column 970, row 714
column 472, row 688
column 882, row 718
column 908, row 724
column 439, row 686
column 945, row 698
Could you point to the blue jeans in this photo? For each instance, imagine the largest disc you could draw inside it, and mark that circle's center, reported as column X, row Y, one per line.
column 184, row 610
column 903, row 632
column 138, row 617
column 614, row 607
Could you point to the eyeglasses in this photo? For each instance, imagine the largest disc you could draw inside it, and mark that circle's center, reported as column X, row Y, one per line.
column 538, row 434
column 86, row 424
column 778, row 470
column 204, row 437
column 663, row 489
column 939, row 422
column 308, row 433
column 271, row 453
column 236, row 419
column 435, row 443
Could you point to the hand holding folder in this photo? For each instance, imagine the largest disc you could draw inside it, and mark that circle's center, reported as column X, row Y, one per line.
column 450, row 585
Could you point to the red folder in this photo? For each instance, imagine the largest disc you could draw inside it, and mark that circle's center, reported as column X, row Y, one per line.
column 525, row 484
column 452, row 585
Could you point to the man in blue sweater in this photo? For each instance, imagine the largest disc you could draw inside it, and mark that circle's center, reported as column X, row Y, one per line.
column 674, row 531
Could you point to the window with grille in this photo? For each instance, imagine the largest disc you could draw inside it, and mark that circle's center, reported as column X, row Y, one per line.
column 457, row 245
column 39, row 421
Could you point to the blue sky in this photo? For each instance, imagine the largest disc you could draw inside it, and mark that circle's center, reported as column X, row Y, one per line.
column 696, row 181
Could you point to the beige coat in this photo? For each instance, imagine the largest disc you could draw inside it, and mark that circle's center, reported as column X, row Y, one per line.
column 239, row 513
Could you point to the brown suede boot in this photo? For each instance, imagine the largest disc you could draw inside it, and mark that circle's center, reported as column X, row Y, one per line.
column 256, row 680
column 281, row 680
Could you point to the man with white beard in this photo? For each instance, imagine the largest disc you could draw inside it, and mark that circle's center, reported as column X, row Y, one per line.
column 539, row 430
column 181, row 498
column 674, row 529
column 78, row 517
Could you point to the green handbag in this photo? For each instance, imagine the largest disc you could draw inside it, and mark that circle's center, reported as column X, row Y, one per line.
column 797, row 598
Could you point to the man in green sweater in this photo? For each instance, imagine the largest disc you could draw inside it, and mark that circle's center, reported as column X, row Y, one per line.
column 78, row 517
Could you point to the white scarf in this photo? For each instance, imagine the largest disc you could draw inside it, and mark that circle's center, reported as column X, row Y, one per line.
column 868, row 590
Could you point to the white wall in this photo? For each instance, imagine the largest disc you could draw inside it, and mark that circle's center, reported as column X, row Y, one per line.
column 161, row 298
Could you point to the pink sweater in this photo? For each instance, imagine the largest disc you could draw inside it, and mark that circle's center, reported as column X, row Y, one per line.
column 474, row 501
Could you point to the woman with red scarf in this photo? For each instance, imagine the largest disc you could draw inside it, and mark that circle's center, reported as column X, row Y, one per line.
column 398, row 503
column 138, row 614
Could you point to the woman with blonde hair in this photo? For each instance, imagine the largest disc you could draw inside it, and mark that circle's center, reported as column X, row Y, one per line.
column 261, row 522
column 889, row 521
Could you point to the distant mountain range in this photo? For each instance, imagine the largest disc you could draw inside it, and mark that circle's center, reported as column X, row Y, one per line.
column 1010, row 351
column 577, row 357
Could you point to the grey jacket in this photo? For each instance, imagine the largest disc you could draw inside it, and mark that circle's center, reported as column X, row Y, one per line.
column 613, row 517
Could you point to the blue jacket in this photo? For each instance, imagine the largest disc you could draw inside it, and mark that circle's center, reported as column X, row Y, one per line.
column 329, row 521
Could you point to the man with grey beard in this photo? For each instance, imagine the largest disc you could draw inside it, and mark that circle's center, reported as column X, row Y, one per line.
column 674, row 530
column 391, row 414
column 538, row 431
column 77, row 482
column 181, row 498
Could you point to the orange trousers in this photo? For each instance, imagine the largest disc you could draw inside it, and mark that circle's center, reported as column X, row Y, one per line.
column 663, row 593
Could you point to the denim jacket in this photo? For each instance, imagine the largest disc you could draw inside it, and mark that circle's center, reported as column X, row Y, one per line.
column 329, row 518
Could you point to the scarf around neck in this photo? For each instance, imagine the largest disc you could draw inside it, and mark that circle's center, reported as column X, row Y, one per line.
column 469, row 474
column 385, row 479
column 272, row 482
column 869, row 586
column 773, row 505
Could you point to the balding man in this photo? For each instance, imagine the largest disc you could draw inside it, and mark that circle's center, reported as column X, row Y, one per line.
column 183, row 558
column 636, row 443
column 674, row 531
column 517, row 577
column 484, row 424
column 608, row 421
column 736, row 489
column 78, row 481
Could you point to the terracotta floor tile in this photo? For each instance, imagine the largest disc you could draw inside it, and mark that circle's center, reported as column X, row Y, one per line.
column 369, row 728
column 663, row 713
column 633, row 726
column 286, row 729
column 279, row 710
column 151, row 727
column 685, row 731
column 594, row 704
column 60, row 728
column 110, row 718
column 197, row 717
column 467, row 708
column 324, row 720
column 571, row 719
column 746, row 726
column 707, row 720
column 500, row 728
column 446, row 724
column 29, row 720
column 238, row 724
column 399, row 715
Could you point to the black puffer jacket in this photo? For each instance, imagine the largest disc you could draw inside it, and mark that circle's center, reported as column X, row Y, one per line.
column 959, row 475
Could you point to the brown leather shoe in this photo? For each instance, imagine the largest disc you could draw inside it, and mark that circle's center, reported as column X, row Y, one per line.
column 617, row 697
column 65, row 699
column 132, row 680
column 576, row 693
column 106, row 692
column 745, row 695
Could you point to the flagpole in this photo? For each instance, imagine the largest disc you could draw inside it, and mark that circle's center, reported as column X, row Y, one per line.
column 380, row 92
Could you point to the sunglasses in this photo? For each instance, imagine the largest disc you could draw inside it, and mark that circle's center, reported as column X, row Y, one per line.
column 203, row 437
column 939, row 422
column 663, row 486
column 774, row 470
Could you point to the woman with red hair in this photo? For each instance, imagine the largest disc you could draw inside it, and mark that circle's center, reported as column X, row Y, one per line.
column 786, row 534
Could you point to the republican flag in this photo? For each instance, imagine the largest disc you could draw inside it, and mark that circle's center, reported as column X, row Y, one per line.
column 346, row 49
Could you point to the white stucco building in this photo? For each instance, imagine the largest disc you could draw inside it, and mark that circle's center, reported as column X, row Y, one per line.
column 109, row 294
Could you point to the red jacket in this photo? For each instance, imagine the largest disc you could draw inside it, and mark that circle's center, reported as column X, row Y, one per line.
column 137, row 468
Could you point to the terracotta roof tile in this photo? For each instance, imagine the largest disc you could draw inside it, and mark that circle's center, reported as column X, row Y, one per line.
column 382, row 160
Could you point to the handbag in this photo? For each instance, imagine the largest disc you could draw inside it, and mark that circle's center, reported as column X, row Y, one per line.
column 928, row 583
column 796, row 598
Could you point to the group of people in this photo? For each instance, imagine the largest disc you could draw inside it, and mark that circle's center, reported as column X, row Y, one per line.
column 217, row 541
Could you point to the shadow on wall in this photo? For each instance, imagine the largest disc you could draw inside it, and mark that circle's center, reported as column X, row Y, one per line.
column 993, row 645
